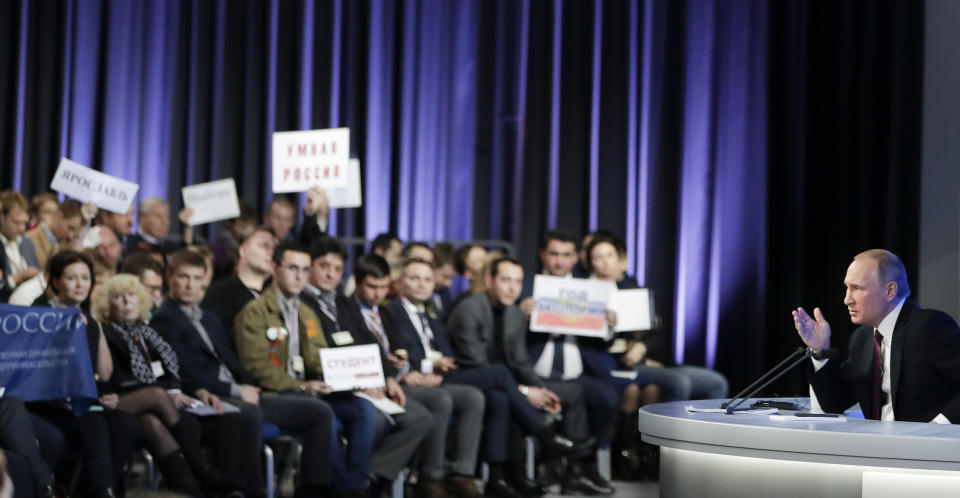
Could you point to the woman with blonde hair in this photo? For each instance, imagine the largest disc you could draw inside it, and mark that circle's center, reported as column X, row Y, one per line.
column 146, row 378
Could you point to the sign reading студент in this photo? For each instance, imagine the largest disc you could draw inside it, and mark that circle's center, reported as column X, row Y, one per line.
column 311, row 158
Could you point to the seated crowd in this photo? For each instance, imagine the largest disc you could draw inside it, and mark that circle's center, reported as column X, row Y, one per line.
column 236, row 325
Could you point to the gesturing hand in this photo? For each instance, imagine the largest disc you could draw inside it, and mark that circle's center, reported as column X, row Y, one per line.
column 815, row 331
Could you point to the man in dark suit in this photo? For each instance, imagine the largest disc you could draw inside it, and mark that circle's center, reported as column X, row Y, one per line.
column 489, row 328
column 342, row 324
column 430, row 354
column 904, row 361
column 209, row 364
column 154, row 227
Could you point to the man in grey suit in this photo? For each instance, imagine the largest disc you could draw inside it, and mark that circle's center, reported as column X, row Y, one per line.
column 489, row 329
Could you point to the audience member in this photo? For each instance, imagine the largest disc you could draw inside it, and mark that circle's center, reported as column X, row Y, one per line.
column 279, row 340
column 430, row 354
column 42, row 208
column 680, row 382
column 444, row 269
column 494, row 314
column 228, row 295
column 280, row 218
column 106, row 436
column 207, row 356
column 59, row 233
column 342, row 322
column 154, row 226
column 235, row 231
column 120, row 223
column 146, row 376
column 29, row 471
column 21, row 257
column 103, row 240
column 150, row 272
column 388, row 246
column 315, row 214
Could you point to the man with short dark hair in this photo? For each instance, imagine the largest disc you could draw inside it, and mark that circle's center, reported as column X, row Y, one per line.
column 343, row 325
column 209, row 367
column 228, row 295
column 388, row 246
column 279, row 339
column 280, row 218
column 430, row 353
column 488, row 329
column 60, row 233
column 904, row 361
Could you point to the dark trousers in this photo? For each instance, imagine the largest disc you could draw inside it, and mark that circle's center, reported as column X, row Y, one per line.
column 603, row 407
column 574, row 423
column 236, row 442
column 17, row 436
column 104, row 441
column 20, row 474
column 308, row 418
column 359, row 419
column 500, row 390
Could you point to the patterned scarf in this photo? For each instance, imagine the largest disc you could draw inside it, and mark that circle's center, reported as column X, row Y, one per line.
column 140, row 333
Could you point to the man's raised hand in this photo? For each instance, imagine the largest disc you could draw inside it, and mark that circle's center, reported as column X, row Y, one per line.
column 814, row 331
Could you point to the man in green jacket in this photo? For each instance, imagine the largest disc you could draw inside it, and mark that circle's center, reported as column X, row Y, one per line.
column 278, row 341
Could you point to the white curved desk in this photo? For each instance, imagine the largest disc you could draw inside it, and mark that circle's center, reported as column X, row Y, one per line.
column 712, row 454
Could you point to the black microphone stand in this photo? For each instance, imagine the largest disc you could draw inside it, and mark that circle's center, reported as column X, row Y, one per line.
column 796, row 357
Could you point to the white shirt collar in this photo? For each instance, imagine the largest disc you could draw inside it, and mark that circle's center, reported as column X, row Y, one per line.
column 150, row 238
column 16, row 240
column 410, row 307
column 890, row 321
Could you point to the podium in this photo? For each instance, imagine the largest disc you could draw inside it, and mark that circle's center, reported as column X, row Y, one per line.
column 719, row 455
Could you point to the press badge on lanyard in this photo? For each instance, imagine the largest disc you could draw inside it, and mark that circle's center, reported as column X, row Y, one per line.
column 157, row 368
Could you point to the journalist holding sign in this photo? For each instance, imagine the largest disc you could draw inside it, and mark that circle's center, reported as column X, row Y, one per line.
column 904, row 361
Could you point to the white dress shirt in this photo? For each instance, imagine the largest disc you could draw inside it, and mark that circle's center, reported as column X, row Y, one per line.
column 572, row 361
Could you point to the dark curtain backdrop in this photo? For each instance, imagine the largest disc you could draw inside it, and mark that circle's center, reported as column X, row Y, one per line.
column 744, row 149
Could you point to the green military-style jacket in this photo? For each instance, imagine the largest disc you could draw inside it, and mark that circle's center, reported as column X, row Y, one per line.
column 263, row 342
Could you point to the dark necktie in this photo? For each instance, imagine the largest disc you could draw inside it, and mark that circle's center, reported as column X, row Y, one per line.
column 878, row 400
column 427, row 331
column 557, row 372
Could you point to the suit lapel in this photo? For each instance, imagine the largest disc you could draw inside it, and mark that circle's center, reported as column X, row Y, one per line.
column 896, row 351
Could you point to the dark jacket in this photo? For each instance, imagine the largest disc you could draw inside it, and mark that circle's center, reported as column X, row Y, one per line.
column 472, row 333
column 924, row 369
column 349, row 319
column 123, row 378
column 199, row 365
column 407, row 337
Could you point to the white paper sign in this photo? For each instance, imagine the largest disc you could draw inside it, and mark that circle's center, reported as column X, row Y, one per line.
column 350, row 196
column 352, row 367
column 89, row 185
column 574, row 306
column 304, row 159
column 211, row 201
column 633, row 308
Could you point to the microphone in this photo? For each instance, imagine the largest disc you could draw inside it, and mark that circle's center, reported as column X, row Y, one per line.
column 788, row 364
